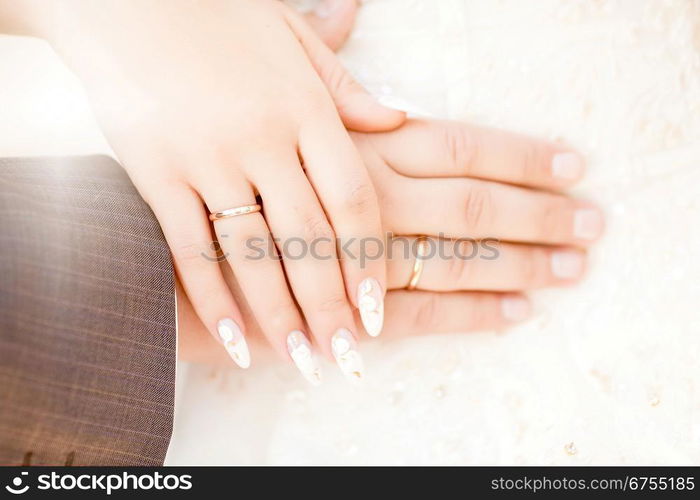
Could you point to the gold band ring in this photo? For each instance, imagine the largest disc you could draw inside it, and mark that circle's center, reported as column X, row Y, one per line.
column 234, row 212
column 422, row 247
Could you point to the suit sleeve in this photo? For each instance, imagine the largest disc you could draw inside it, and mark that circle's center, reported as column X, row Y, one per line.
column 87, row 317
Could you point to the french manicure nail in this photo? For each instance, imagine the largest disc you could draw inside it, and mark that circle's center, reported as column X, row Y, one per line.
column 568, row 166
column 234, row 342
column 567, row 264
column 588, row 223
column 300, row 351
column 326, row 8
column 515, row 308
column 370, row 300
column 347, row 356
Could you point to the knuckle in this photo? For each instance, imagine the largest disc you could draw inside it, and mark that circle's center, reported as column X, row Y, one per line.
column 333, row 303
column 317, row 103
column 534, row 159
column 479, row 207
column 458, row 270
column 426, row 315
column 529, row 270
column 282, row 313
column 186, row 253
column 391, row 195
column 361, row 200
column 553, row 221
column 461, row 146
column 317, row 228
column 340, row 80
column 345, row 82
column 480, row 312
column 247, row 139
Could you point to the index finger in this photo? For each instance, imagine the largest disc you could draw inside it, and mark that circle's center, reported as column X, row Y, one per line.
column 433, row 148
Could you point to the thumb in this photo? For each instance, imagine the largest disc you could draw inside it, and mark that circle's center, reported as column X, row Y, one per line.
column 356, row 107
column 332, row 21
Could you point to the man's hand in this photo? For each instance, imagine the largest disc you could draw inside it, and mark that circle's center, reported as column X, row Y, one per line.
column 498, row 226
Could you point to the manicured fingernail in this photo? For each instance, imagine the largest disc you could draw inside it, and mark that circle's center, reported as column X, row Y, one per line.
column 515, row 308
column 234, row 342
column 345, row 351
column 567, row 166
column 588, row 223
column 326, row 8
column 370, row 300
column 300, row 351
column 567, row 264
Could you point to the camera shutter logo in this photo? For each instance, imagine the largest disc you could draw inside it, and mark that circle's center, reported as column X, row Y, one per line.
column 16, row 488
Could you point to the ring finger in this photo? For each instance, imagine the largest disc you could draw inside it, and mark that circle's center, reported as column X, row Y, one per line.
column 451, row 265
column 249, row 250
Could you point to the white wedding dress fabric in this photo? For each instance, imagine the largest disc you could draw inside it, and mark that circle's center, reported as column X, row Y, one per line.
column 605, row 373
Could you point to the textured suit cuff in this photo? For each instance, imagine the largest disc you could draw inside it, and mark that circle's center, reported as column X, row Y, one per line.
column 87, row 317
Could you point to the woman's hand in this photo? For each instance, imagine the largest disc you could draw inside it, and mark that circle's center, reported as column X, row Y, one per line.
column 461, row 185
column 209, row 104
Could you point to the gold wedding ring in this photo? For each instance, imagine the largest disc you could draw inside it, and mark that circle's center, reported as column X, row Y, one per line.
column 234, row 212
column 422, row 248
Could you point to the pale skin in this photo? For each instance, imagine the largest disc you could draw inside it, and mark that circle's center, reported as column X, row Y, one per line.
column 438, row 166
column 210, row 104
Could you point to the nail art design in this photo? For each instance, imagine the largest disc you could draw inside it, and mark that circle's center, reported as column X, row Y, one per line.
column 370, row 300
column 345, row 351
column 300, row 351
column 234, row 342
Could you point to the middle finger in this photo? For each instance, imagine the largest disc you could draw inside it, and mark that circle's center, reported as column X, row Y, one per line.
column 459, row 208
